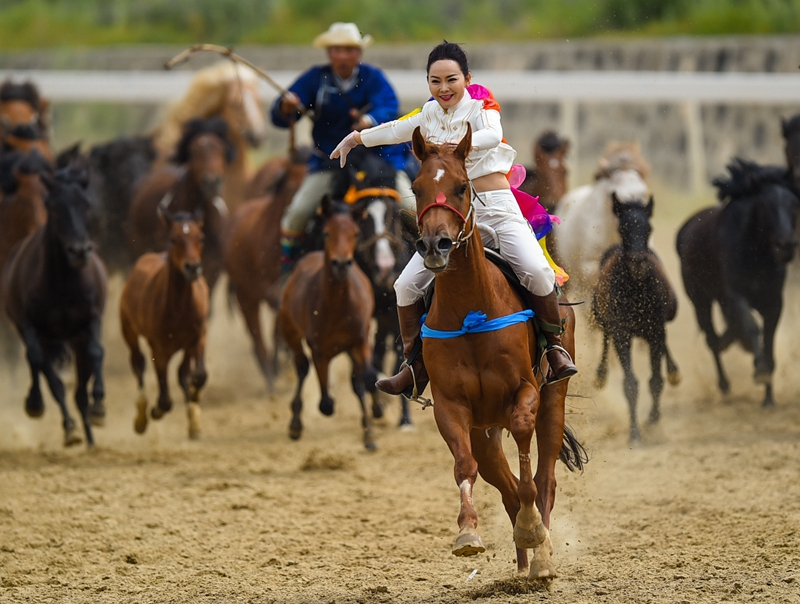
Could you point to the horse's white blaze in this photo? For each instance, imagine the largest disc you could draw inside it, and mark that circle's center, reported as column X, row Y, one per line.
column 384, row 258
column 439, row 174
column 185, row 229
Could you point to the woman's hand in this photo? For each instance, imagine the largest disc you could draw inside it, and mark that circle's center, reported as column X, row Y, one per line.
column 349, row 142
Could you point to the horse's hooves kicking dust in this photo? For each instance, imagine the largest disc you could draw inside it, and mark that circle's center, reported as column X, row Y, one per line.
column 468, row 544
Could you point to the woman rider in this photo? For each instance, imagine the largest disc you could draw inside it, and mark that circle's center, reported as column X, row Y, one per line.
column 442, row 120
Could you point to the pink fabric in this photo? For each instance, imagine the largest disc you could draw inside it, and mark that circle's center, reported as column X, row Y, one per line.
column 532, row 210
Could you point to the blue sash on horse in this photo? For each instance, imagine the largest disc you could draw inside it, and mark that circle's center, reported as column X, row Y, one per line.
column 476, row 322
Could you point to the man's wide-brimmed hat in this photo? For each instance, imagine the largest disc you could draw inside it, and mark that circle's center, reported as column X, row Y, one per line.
column 342, row 34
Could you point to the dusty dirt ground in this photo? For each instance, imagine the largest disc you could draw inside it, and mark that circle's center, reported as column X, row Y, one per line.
column 707, row 509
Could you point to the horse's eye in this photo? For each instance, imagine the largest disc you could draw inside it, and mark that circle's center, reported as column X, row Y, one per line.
column 463, row 189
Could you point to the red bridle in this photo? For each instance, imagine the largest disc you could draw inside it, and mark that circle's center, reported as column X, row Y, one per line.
column 441, row 202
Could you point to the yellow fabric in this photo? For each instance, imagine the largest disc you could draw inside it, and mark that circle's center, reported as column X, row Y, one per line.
column 410, row 114
column 561, row 276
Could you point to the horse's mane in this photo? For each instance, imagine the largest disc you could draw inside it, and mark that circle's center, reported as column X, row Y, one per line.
column 193, row 128
column 747, row 178
column 26, row 91
column 204, row 98
column 791, row 125
column 621, row 156
column 550, row 142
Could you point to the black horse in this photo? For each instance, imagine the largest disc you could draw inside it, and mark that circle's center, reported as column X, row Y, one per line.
column 791, row 135
column 633, row 298
column 386, row 244
column 736, row 254
column 54, row 290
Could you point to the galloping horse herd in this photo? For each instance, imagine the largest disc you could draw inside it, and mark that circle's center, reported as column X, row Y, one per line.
column 174, row 209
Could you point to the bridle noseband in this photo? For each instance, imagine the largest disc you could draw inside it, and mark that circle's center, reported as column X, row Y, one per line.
column 441, row 202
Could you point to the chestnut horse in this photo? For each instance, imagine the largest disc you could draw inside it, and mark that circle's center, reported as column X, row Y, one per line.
column 547, row 180
column 483, row 383
column 203, row 154
column 165, row 300
column 54, row 290
column 229, row 91
column 328, row 302
column 252, row 254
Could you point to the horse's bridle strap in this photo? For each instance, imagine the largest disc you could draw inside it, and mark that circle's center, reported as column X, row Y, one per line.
column 354, row 195
column 440, row 203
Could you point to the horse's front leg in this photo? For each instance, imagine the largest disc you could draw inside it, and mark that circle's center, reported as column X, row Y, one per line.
column 771, row 318
column 160, row 362
column 704, row 320
column 623, row 348
column 360, row 355
column 34, row 403
column 83, row 365
column 321, row 364
column 602, row 368
column 95, row 352
column 454, row 421
column 740, row 319
column 529, row 531
column 657, row 350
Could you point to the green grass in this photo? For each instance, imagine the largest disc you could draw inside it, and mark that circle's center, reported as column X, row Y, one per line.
column 81, row 23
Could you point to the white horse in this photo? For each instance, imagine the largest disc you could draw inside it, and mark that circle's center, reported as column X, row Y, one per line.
column 588, row 225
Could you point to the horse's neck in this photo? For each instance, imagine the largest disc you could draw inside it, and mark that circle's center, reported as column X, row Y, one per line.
column 187, row 195
column 28, row 211
column 466, row 284
column 179, row 296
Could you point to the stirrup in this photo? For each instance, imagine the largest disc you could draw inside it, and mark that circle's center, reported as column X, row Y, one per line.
column 553, row 379
column 415, row 395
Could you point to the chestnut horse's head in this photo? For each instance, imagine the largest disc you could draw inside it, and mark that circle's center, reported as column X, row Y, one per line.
column 206, row 150
column 341, row 237
column 444, row 206
column 21, row 105
column 549, row 153
column 185, row 232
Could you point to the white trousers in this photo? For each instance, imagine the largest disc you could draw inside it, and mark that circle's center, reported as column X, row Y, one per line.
column 308, row 197
column 517, row 244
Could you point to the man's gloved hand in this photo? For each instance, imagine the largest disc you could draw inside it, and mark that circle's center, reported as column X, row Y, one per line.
column 289, row 103
column 348, row 143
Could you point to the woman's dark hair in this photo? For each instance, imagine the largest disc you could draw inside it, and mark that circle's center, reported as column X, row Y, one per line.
column 449, row 51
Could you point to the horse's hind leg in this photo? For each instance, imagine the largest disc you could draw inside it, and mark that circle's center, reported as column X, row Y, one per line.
column 657, row 351
column 83, row 365
column 71, row 435
column 252, row 320
column 529, row 532
column 623, row 348
column 34, row 403
column 771, row 318
column 602, row 368
column 487, row 448
column 161, row 360
column 294, row 341
column 549, row 440
column 361, row 360
column 321, row 364
column 703, row 312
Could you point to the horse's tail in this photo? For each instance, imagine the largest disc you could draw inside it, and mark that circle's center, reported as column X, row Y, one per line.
column 573, row 453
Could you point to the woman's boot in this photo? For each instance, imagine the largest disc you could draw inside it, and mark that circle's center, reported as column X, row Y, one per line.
column 403, row 382
column 561, row 364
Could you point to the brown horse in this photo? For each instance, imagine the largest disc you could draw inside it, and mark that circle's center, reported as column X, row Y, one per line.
column 54, row 291
column 203, row 153
column 548, row 178
column 228, row 91
column 21, row 105
column 252, row 254
column 328, row 302
column 165, row 300
column 483, row 383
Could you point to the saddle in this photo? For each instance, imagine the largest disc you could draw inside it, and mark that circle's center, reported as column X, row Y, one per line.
column 539, row 327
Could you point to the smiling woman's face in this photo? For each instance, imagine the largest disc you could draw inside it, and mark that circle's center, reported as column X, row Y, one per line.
column 446, row 83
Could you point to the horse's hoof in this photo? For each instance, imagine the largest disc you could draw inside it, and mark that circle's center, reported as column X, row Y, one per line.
column 768, row 403
column 295, row 429
column 193, row 413
column 529, row 539
column 326, row 406
column 156, row 412
column 72, row 437
column 763, row 377
column 541, row 569
column 468, row 544
column 653, row 418
column 406, row 426
column 370, row 445
column 34, row 408
column 377, row 410
column 674, row 378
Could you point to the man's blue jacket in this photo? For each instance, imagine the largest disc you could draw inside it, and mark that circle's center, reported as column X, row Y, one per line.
column 318, row 91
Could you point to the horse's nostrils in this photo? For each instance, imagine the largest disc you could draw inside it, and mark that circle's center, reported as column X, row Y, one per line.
column 340, row 267
column 192, row 270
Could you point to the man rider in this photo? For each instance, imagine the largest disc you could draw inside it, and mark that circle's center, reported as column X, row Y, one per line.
column 343, row 96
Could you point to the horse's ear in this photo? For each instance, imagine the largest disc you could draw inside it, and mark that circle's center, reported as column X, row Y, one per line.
column 649, row 207
column 326, row 206
column 419, row 146
column 465, row 145
column 616, row 204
